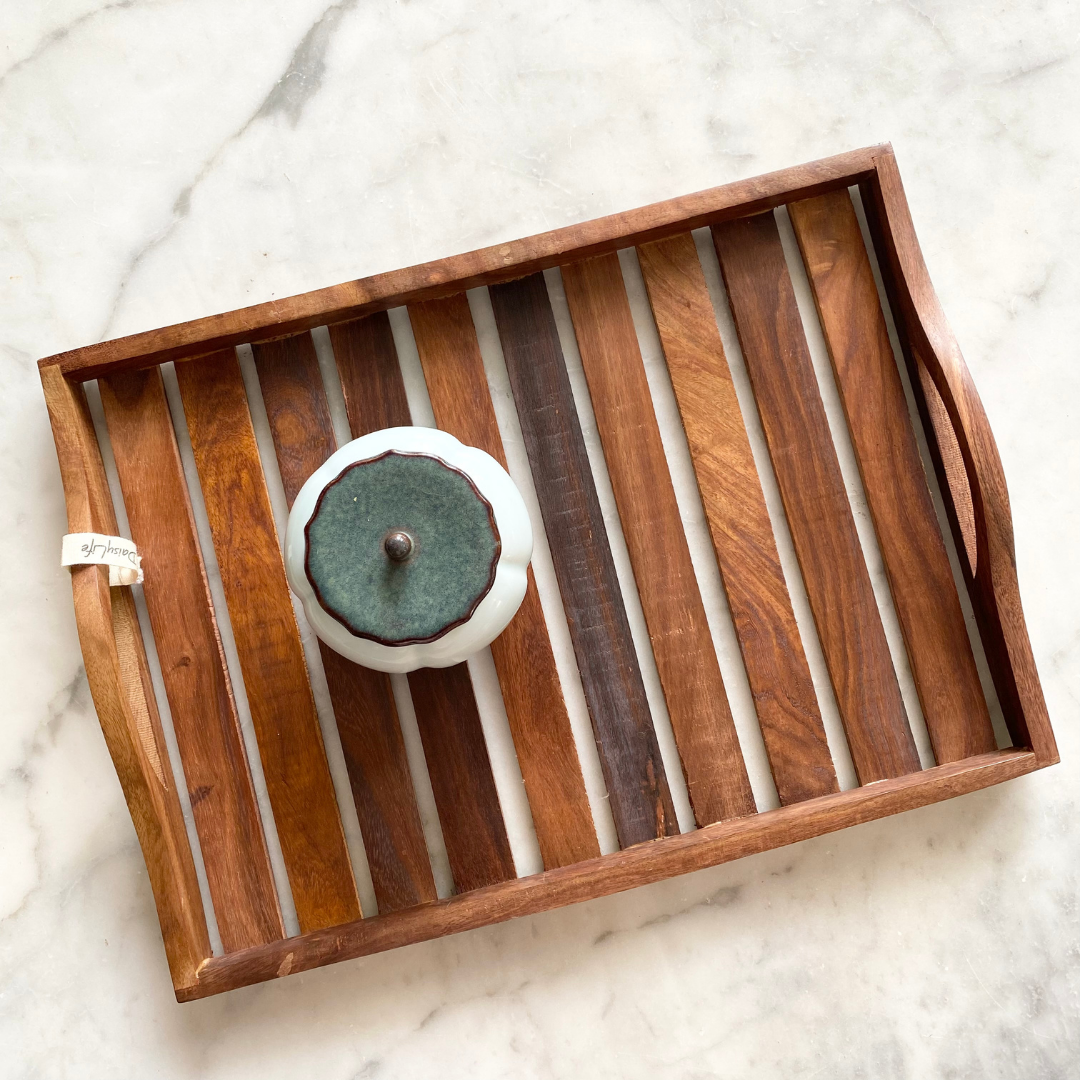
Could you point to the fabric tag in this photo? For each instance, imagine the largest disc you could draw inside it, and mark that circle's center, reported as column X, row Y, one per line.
column 118, row 554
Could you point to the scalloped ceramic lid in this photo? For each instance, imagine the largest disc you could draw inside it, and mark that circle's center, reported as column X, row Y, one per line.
column 408, row 549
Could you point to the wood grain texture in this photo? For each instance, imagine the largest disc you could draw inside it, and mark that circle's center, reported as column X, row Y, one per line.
column 461, row 779
column 697, row 703
column 192, row 661
column 815, row 501
column 363, row 700
column 710, row 846
column 100, row 614
column 457, row 386
column 912, row 548
column 268, row 642
column 428, row 281
column 454, row 747
column 928, row 339
column 637, row 786
column 739, row 523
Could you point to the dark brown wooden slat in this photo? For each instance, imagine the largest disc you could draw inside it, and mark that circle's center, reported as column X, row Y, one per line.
column 457, row 386
column 268, row 642
column 457, row 759
column 682, row 643
column 917, row 564
column 742, row 533
column 637, row 785
column 192, row 662
column 363, row 700
column 812, row 489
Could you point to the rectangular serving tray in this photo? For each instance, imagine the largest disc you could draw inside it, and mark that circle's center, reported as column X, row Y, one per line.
column 307, row 817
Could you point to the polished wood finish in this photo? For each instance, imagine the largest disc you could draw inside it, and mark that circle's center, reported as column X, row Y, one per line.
column 637, row 786
column 453, row 738
column 640, row 865
column 192, row 661
column 959, row 439
column 364, row 708
column 742, row 534
column 815, row 501
column 697, row 703
column 912, row 548
column 457, row 387
column 107, row 627
column 268, row 643
column 928, row 339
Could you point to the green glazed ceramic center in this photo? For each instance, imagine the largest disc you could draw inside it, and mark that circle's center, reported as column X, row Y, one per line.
column 393, row 590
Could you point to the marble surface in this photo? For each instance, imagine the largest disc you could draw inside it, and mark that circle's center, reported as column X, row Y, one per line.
column 163, row 160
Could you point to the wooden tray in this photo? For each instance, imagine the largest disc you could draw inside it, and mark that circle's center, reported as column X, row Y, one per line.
column 848, row 625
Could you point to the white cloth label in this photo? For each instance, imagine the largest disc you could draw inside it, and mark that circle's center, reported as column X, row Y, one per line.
column 118, row 554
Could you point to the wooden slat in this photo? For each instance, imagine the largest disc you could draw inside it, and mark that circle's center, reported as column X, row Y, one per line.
column 637, row 786
column 105, row 617
column 446, row 714
column 682, row 643
column 715, row 844
column 268, row 642
column 363, row 700
column 812, row 489
column 457, row 386
column 428, row 281
column 917, row 564
column 192, row 662
column 742, row 533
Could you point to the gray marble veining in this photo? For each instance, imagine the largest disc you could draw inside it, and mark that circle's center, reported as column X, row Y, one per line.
column 163, row 160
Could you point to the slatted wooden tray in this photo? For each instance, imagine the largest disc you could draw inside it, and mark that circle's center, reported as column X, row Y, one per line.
column 228, row 834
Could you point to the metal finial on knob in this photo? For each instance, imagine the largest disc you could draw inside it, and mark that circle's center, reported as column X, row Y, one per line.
column 398, row 546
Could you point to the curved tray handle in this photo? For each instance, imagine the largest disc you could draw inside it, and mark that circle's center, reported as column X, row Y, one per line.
column 119, row 681
column 967, row 457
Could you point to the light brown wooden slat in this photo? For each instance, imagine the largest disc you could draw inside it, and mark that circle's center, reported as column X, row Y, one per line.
column 812, row 488
column 916, row 562
column 454, row 747
column 739, row 524
column 457, row 386
column 637, row 786
column 192, row 662
column 268, row 642
column 363, row 700
column 106, row 617
column 682, row 643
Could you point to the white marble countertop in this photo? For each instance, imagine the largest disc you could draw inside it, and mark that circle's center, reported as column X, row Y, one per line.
column 161, row 160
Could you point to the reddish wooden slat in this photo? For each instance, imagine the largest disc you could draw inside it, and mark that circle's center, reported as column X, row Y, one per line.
column 446, row 714
column 927, row 604
column 363, row 701
column 637, row 786
column 682, row 643
column 192, row 662
column 454, row 371
column 268, row 642
column 739, row 522
column 812, row 489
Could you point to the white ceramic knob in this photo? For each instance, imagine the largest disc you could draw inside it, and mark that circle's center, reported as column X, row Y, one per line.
column 408, row 549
